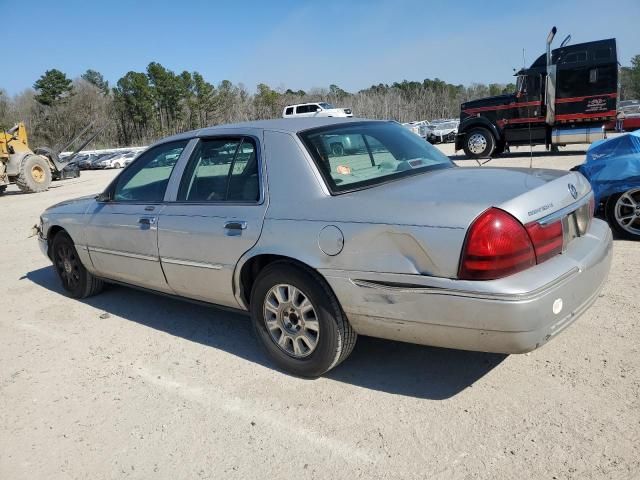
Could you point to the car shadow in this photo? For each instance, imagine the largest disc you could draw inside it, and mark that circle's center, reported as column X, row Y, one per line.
column 387, row 366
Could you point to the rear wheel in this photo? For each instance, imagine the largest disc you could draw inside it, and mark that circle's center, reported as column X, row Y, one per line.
column 34, row 175
column 74, row 277
column 623, row 213
column 116, row 165
column 479, row 143
column 298, row 320
column 3, row 188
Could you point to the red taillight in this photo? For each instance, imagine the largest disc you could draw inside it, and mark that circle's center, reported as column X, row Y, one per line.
column 547, row 239
column 497, row 245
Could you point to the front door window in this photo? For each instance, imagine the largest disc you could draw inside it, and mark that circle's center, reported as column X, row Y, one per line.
column 147, row 178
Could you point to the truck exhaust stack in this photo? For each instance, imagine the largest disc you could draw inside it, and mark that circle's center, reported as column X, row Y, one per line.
column 550, row 84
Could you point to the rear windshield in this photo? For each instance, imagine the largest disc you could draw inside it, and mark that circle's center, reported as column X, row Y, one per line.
column 364, row 154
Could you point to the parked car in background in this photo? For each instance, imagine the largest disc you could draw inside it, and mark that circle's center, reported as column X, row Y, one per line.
column 629, row 118
column 320, row 109
column 103, row 161
column 115, row 160
column 417, row 127
column 70, row 170
column 442, row 131
column 387, row 239
column 130, row 157
column 612, row 167
column 85, row 162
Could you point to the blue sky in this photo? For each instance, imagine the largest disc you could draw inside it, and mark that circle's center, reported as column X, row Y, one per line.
column 302, row 44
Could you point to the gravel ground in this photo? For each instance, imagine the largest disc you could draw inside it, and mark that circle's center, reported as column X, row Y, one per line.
column 128, row 384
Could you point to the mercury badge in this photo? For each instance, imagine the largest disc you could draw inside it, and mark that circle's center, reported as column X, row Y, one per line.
column 573, row 191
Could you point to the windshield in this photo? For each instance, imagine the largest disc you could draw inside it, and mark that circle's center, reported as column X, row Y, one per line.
column 365, row 154
column 326, row 106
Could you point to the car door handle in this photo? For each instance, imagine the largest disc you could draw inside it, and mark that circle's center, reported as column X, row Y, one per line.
column 147, row 221
column 237, row 225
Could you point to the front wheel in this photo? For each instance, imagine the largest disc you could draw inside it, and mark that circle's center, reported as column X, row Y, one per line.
column 34, row 175
column 479, row 143
column 74, row 277
column 623, row 213
column 298, row 321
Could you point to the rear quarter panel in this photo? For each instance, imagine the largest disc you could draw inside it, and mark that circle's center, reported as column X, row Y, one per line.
column 300, row 207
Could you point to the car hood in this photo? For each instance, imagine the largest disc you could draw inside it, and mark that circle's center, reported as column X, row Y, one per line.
column 75, row 205
column 454, row 197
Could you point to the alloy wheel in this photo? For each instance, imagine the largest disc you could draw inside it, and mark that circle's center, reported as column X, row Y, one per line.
column 627, row 211
column 291, row 320
column 68, row 266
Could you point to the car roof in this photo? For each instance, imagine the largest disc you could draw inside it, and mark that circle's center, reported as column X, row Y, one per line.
column 287, row 125
column 303, row 104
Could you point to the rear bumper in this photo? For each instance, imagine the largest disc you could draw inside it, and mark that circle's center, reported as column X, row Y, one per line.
column 512, row 315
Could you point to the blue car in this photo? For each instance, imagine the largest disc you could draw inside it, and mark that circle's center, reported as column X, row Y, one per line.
column 613, row 169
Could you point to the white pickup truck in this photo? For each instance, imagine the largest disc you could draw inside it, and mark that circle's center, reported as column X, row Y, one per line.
column 320, row 109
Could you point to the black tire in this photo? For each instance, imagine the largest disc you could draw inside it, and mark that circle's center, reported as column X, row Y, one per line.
column 3, row 188
column 74, row 277
column 500, row 149
column 471, row 146
column 116, row 165
column 336, row 338
column 610, row 215
column 34, row 175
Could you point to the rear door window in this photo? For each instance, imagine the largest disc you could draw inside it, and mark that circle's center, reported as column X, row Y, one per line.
column 221, row 170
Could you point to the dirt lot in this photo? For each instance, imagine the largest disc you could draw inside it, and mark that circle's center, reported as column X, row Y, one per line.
column 128, row 384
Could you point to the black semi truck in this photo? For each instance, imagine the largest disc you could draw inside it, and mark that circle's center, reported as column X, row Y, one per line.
column 565, row 97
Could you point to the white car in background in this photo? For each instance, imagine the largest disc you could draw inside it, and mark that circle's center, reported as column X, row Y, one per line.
column 442, row 131
column 130, row 157
column 319, row 109
column 115, row 160
column 417, row 127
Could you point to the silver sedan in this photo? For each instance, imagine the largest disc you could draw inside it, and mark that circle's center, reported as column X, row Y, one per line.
column 325, row 229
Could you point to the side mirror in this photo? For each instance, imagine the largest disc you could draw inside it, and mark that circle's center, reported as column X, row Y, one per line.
column 104, row 196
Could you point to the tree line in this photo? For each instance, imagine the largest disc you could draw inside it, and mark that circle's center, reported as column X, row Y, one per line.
column 144, row 106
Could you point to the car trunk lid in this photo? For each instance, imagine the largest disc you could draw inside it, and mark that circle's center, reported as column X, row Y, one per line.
column 454, row 197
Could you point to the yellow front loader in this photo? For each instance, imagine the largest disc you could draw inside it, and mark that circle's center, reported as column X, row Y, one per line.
column 32, row 171
column 20, row 165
